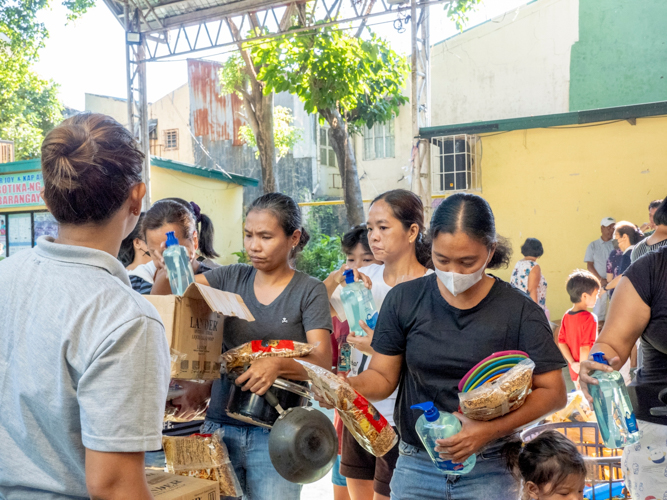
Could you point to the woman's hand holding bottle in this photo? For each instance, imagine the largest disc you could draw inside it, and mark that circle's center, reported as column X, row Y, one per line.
column 587, row 366
column 472, row 437
column 362, row 344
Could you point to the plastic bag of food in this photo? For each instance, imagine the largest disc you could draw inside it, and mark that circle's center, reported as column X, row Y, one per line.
column 576, row 410
column 178, row 388
column 243, row 355
column 203, row 456
column 365, row 423
column 503, row 395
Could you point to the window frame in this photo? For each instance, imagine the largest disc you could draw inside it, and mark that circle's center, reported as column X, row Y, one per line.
column 370, row 141
column 173, row 131
column 458, row 162
column 6, row 215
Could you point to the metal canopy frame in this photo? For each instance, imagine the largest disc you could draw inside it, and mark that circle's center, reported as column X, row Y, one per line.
column 162, row 29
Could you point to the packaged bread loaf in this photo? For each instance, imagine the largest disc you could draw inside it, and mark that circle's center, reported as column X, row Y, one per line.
column 244, row 355
column 203, row 456
column 503, row 395
column 365, row 423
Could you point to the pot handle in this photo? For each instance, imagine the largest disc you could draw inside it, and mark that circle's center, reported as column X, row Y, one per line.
column 273, row 401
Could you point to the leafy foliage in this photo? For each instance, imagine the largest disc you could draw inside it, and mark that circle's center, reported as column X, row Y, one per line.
column 29, row 105
column 458, row 11
column 331, row 69
column 321, row 256
column 233, row 78
column 284, row 134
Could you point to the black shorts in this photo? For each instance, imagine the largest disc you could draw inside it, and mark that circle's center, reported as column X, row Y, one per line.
column 357, row 463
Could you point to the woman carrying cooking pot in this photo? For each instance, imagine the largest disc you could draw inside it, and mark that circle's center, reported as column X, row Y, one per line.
column 432, row 330
column 287, row 305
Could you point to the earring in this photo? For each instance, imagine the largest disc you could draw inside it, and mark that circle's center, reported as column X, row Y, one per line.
column 135, row 212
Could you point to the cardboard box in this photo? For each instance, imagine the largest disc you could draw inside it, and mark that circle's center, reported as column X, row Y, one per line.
column 194, row 326
column 165, row 486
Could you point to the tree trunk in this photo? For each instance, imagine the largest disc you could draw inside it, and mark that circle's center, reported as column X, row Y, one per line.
column 341, row 142
column 259, row 111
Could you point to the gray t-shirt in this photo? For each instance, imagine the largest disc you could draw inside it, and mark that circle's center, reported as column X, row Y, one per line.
column 598, row 252
column 302, row 306
column 643, row 248
column 84, row 363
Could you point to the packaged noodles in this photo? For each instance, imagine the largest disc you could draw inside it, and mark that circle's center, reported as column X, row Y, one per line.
column 243, row 355
column 503, row 395
column 203, row 456
column 365, row 423
column 178, row 388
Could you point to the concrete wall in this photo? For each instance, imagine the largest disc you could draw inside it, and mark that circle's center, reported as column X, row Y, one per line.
column 172, row 112
column 112, row 106
column 514, row 65
column 621, row 55
column 557, row 184
column 221, row 201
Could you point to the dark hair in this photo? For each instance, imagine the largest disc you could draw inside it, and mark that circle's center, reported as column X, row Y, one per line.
column 126, row 253
column 628, row 228
column 532, row 247
column 355, row 236
column 472, row 215
column 654, row 204
column 409, row 209
column 580, row 282
column 548, row 459
column 288, row 213
column 660, row 215
column 188, row 216
column 90, row 162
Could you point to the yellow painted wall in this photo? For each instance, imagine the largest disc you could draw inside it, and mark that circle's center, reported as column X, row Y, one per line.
column 557, row 184
column 221, row 201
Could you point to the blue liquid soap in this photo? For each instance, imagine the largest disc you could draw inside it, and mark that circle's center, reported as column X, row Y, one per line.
column 179, row 269
column 434, row 425
column 613, row 409
column 358, row 304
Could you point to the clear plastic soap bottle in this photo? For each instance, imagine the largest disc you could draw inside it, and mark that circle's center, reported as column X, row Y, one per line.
column 613, row 409
column 358, row 304
column 434, row 425
column 179, row 269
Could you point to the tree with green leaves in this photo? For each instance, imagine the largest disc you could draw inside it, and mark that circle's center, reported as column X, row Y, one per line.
column 29, row 105
column 285, row 136
column 350, row 82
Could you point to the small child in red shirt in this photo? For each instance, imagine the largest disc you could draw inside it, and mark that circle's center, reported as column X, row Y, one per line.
column 579, row 328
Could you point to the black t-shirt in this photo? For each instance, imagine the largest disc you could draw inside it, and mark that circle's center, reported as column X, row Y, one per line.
column 649, row 277
column 302, row 306
column 441, row 343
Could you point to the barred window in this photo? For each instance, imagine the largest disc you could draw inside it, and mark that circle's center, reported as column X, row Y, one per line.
column 171, row 139
column 455, row 163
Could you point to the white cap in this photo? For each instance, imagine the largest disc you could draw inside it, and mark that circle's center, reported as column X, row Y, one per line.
column 608, row 221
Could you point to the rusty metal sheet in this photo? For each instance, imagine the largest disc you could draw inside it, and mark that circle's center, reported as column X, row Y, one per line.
column 237, row 113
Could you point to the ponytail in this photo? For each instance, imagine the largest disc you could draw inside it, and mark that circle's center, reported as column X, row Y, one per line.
column 206, row 237
column 423, row 250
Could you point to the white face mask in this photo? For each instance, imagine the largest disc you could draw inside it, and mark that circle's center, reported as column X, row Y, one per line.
column 458, row 283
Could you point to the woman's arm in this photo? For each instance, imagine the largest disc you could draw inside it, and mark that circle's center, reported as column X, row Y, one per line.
column 533, row 281
column 626, row 320
column 263, row 373
column 380, row 379
column 548, row 395
column 613, row 283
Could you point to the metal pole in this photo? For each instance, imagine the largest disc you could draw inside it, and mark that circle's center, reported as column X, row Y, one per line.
column 416, row 163
column 425, row 114
column 128, row 66
column 143, row 122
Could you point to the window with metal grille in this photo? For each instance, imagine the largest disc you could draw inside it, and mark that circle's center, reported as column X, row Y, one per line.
column 170, row 139
column 327, row 155
column 455, row 163
column 379, row 141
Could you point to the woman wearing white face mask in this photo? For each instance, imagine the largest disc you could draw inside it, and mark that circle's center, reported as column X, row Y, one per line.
column 432, row 330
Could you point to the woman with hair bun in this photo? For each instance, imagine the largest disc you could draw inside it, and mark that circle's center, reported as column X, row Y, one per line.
column 84, row 360
column 431, row 331
column 396, row 237
column 527, row 275
column 287, row 305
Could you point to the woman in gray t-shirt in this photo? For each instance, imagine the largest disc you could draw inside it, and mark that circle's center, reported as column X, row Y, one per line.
column 287, row 305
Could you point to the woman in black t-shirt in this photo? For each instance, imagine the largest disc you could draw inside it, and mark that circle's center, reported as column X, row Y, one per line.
column 639, row 309
column 432, row 330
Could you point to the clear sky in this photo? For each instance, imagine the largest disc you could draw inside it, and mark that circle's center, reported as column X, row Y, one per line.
column 88, row 56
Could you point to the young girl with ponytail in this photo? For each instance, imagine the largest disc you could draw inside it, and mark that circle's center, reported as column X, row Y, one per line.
column 396, row 238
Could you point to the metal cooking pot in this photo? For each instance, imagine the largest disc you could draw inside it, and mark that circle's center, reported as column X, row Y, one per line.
column 251, row 408
column 303, row 443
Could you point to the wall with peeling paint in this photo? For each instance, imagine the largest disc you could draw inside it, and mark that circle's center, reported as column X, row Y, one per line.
column 557, row 184
column 172, row 113
column 221, row 201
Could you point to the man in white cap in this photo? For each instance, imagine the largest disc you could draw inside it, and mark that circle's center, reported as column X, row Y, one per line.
column 596, row 257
